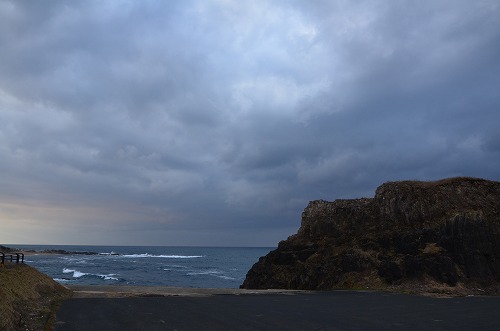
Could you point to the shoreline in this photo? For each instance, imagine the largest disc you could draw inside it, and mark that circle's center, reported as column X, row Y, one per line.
column 126, row 291
column 129, row 291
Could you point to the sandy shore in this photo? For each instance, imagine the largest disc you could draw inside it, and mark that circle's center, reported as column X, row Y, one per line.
column 118, row 291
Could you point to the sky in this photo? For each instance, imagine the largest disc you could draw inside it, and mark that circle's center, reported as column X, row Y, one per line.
column 215, row 122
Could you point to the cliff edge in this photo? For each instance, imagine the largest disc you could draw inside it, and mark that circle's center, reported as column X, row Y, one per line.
column 420, row 237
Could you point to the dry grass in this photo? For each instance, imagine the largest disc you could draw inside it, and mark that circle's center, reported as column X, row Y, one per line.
column 440, row 182
column 432, row 249
column 28, row 298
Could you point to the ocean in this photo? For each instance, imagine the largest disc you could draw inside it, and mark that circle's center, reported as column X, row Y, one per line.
column 198, row 267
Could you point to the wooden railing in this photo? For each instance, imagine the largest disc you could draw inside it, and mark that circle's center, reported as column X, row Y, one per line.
column 19, row 257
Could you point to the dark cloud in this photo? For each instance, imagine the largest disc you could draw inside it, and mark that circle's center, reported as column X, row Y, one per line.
column 215, row 122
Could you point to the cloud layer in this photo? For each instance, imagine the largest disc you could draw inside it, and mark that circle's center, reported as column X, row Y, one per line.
column 215, row 122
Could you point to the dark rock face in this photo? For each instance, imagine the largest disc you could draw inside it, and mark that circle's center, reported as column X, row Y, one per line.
column 446, row 232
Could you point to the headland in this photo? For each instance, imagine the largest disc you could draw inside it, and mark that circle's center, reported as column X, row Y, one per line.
column 440, row 238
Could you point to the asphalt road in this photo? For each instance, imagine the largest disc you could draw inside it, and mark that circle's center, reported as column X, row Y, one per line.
column 336, row 310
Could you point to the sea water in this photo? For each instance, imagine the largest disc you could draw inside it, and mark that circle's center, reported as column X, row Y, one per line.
column 199, row 267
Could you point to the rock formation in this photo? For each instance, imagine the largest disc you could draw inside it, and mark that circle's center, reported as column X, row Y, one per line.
column 416, row 236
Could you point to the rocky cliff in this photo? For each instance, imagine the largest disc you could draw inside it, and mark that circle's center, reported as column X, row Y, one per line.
column 416, row 236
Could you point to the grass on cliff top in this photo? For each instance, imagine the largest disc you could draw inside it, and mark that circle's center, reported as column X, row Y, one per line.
column 444, row 181
column 28, row 298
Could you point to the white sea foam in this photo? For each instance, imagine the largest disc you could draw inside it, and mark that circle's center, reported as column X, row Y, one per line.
column 108, row 277
column 226, row 277
column 163, row 256
column 214, row 273
column 175, row 266
column 77, row 259
column 62, row 280
column 78, row 274
column 209, row 272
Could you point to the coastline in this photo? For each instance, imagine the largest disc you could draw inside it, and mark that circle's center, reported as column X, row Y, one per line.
column 126, row 291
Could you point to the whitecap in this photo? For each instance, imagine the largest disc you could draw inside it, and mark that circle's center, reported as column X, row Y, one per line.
column 213, row 273
column 76, row 273
column 163, row 256
column 226, row 277
column 112, row 253
column 77, row 259
column 199, row 273
column 108, row 277
column 62, row 280
column 175, row 266
column 178, row 268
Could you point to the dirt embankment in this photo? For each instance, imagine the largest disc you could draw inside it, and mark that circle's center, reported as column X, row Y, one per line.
column 28, row 298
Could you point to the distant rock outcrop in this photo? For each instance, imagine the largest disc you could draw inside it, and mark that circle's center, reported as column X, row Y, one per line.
column 63, row 252
column 417, row 236
column 6, row 249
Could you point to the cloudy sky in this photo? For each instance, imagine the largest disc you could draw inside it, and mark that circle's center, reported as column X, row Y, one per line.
column 214, row 122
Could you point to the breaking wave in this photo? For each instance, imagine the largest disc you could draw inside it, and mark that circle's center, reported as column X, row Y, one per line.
column 79, row 274
column 213, row 273
column 163, row 256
